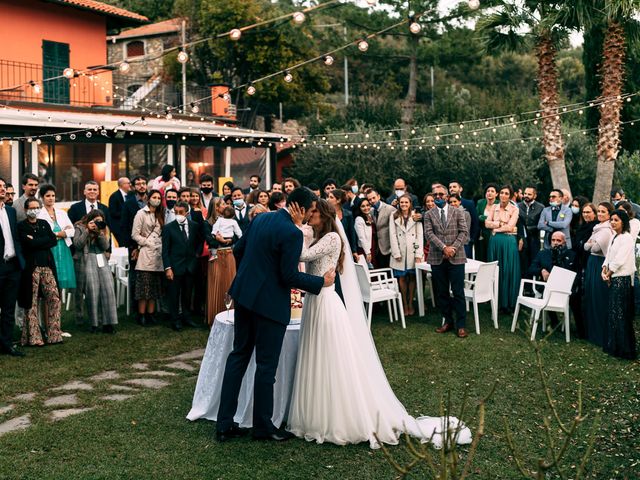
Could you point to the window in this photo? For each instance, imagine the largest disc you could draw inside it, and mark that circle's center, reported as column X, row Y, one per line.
column 135, row 49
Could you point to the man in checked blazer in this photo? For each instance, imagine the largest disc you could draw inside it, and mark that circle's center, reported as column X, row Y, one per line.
column 381, row 213
column 446, row 230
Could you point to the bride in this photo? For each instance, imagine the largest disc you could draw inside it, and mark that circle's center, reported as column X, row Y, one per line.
column 341, row 394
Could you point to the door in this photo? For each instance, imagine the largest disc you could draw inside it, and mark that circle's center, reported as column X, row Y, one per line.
column 55, row 58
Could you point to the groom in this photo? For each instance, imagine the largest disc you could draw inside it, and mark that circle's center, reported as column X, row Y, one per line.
column 267, row 258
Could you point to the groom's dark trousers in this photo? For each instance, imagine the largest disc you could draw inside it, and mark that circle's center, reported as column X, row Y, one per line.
column 267, row 258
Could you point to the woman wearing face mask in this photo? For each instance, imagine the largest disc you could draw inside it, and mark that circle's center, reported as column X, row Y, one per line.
column 147, row 233
column 484, row 208
column 576, row 220
column 596, row 291
column 617, row 271
column 38, row 277
column 582, row 234
column 91, row 242
column 502, row 221
column 64, row 231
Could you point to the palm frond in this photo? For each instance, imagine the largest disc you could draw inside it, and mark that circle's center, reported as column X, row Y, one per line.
column 621, row 10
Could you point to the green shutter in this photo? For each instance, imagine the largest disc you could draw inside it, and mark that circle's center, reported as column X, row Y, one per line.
column 55, row 58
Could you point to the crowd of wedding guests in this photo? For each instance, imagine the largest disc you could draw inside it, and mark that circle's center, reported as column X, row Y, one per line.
column 180, row 247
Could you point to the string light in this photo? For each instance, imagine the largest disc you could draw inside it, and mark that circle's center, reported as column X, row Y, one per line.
column 124, row 67
column 415, row 28
column 68, row 72
column 235, row 34
column 288, row 77
column 363, row 45
column 251, row 90
column 473, row 4
column 195, row 108
column 183, row 57
column 36, row 87
column 328, row 60
column 298, row 18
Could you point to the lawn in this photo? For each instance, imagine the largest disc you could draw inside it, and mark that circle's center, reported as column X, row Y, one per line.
column 148, row 436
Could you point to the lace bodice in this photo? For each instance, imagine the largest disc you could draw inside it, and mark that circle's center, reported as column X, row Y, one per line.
column 322, row 255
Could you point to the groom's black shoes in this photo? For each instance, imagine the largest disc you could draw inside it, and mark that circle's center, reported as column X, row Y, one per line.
column 277, row 436
column 233, row 432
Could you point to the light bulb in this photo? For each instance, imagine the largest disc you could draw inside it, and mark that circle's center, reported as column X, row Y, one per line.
column 415, row 28
column 183, row 57
column 298, row 18
column 89, row 134
column 125, row 67
column 474, row 4
column 68, row 72
column 226, row 97
column 36, row 87
column 38, row 141
column 169, row 116
column 58, row 138
column 251, row 90
column 328, row 60
column 363, row 46
column 235, row 34
column 288, row 77
column 195, row 108
column 72, row 136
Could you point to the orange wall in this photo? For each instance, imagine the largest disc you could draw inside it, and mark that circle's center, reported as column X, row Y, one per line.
column 27, row 22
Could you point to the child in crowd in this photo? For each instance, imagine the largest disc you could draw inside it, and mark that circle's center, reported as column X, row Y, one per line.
column 227, row 226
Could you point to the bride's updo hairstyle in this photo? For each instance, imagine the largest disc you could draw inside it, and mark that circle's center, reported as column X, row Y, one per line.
column 328, row 224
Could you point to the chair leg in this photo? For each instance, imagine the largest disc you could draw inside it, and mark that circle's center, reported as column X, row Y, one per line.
column 515, row 316
column 544, row 321
column 128, row 295
column 494, row 312
column 476, row 317
column 392, row 315
column 534, row 327
column 401, row 310
column 567, row 321
column 369, row 306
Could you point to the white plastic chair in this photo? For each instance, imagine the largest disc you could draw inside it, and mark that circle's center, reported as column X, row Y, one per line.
column 555, row 298
column 122, row 286
column 480, row 290
column 380, row 288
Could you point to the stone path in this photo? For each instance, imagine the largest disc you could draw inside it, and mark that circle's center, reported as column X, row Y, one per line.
column 83, row 395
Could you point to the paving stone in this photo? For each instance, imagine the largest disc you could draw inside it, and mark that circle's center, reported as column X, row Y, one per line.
column 180, row 366
column 122, row 388
column 60, row 414
column 25, row 397
column 148, row 383
column 6, row 409
column 140, row 366
column 15, row 424
column 158, row 373
column 108, row 375
column 117, row 397
column 192, row 355
column 74, row 385
column 61, row 400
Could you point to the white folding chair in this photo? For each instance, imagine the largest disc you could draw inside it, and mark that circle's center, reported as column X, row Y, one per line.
column 555, row 298
column 122, row 286
column 66, row 299
column 480, row 290
column 380, row 288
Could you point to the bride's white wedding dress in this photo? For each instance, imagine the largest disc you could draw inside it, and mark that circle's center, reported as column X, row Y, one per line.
column 341, row 394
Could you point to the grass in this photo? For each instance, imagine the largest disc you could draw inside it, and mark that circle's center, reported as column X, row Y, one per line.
column 148, row 436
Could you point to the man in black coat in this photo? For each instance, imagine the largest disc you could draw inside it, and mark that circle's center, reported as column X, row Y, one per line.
column 11, row 264
column 90, row 202
column 530, row 211
column 116, row 205
column 182, row 242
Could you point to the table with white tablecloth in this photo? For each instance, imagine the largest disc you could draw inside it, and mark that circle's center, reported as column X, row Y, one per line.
column 206, row 398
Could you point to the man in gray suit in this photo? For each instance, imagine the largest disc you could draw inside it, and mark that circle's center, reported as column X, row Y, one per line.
column 555, row 218
column 382, row 213
column 446, row 230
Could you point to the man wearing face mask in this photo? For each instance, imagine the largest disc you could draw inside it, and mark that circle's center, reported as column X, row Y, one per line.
column 171, row 198
column 206, row 188
column 530, row 211
column 240, row 208
column 555, row 218
column 618, row 195
column 351, row 192
column 381, row 213
column 182, row 243
column 131, row 206
column 399, row 189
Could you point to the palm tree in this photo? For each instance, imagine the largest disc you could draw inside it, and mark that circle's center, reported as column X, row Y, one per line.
column 518, row 25
column 615, row 18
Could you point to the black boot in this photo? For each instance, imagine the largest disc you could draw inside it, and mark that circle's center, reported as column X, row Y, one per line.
column 140, row 319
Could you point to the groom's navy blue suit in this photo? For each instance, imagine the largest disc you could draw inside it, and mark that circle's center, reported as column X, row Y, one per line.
column 267, row 259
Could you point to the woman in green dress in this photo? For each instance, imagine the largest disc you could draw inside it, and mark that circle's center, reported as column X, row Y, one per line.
column 64, row 231
column 484, row 207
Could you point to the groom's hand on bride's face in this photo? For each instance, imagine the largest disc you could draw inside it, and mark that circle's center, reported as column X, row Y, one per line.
column 329, row 277
column 297, row 213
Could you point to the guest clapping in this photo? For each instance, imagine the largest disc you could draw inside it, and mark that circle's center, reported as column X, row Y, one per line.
column 147, row 233
column 618, row 270
column 63, row 229
column 91, row 242
column 407, row 249
column 38, row 277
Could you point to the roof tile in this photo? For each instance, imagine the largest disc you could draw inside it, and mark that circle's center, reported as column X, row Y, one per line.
column 104, row 8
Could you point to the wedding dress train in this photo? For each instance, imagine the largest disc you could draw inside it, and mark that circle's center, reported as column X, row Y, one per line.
column 341, row 394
